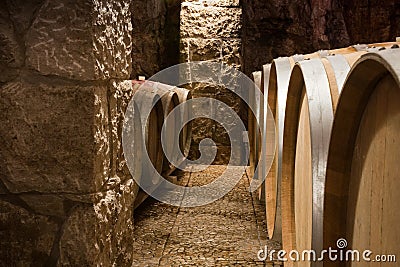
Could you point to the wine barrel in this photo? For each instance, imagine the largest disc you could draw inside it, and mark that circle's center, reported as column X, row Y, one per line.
column 253, row 127
column 314, row 90
column 170, row 101
column 276, row 96
column 336, row 67
column 268, row 133
column 267, row 138
column 186, row 134
column 147, row 96
column 361, row 189
column 307, row 125
column 313, row 93
column 348, row 50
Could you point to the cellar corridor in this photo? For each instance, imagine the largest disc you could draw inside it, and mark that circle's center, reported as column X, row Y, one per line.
column 228, row 232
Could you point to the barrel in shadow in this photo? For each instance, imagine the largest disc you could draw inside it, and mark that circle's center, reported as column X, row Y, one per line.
column 147, row 96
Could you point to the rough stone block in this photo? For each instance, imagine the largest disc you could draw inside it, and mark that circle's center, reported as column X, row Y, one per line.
column 48, row 205
column 56, row 139
column 101, row 234
column 223, row 155
column 231, row 52
column 203, row 89
column 21, row 13
column 148, row 16
column 233, row 103
column 26, row 239
column 10, row 49
column 221, row 3
column 202, row 128
column 198, row 49
column 85, row 40
column 221, row 136
column 207, row 72
column 210, row 22
column 120, row 95
column 145, row 63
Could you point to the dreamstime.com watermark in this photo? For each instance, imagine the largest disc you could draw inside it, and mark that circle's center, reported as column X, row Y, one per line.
column 332, row 254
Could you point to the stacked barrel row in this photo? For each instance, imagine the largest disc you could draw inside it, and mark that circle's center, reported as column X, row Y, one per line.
column 337, row 141
column 162, row 99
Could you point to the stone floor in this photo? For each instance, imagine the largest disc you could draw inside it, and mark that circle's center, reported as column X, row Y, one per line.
column 228, row 232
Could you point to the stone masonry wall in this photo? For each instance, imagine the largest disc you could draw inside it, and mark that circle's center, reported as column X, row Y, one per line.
column 280, row 28
column 211, row 31
column 155, row 42
column 65, row 196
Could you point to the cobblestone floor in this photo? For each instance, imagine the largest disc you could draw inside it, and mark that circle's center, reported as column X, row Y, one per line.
column 228, row 232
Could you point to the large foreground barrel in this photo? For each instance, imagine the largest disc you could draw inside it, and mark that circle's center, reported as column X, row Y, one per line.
column 314, row 88
column 336, row 69
column 361, row 190
column 146, row 97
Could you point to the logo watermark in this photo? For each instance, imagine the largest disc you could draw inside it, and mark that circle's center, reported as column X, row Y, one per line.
column 340, row 253
column 211, row 73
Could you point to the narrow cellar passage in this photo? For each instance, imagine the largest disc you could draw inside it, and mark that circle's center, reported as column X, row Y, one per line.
column 227, row 232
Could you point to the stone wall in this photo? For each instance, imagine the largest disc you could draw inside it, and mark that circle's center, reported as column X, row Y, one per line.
column 155, row 45
column 211, row 31
column 282, row 28
column 65, row 196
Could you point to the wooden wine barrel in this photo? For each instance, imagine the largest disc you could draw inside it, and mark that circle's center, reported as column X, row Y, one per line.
column 186, row 134
column 253, row 127
column 266, row 137
column 147, row 96
column 314, row 89
column 361, row 190
column 349, row 50
column 170, row 101
column 171, row 97
column 308, row 121
column 277, row 91
column 337, row 67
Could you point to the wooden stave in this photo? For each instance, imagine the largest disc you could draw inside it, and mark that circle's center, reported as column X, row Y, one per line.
column 348, row 50
column 257, row 132
column 359, row 89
